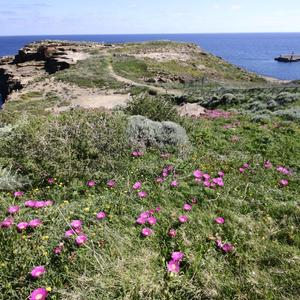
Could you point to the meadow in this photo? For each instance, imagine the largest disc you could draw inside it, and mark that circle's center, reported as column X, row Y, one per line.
column 86, row 215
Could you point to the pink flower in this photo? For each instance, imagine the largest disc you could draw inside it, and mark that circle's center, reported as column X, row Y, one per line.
column 160, row 180
column 227, row 247
column 174, row 183
column 13, row 209
column 158, row 209
column 49, row 203
column 101, row 215
column 246, row 166
column 221, row 174
column 39, row 204
column 177, row 256
column 197, row 174
column 91, row 183
column 81, row 239
column 142, row 194
column 30, row 203
column 69, row 233
column 39, row 294
column 207, row 183
column 219, row 244
column 183, row 219
column 38, row 271
column 22, row 226
column 187, row 207
column 218, row 181
column 6, row 223
column 206, row 176
column 76, row 224
column 50, row 180
column 146, row 232
column 242, row 170
column 220, row 220
column 58, row 249
column 137, row 153
column 18, row 194
column 35, row 223
column 141, row 220
column 268, row 164
column 173, row 266
column 151, row 220
column 283, row 170
column 111, row 183
column 194, row 201
column 172, row 233
column 145, row 215
column 284, row 182
column 137, row 185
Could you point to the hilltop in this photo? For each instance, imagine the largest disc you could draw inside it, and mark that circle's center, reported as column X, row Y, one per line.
column 146, row 171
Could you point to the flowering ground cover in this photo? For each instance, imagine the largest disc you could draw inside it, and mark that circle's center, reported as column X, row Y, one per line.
column 220, row 221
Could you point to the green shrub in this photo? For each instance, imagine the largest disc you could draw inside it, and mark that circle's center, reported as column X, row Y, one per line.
column 10, row 181
column 73, row 144
column 147, row 133
column 154, row 108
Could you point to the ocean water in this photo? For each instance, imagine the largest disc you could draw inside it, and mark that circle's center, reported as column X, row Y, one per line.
column 252, row 51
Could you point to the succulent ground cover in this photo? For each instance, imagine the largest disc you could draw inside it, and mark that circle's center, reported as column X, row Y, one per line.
column 97, row 219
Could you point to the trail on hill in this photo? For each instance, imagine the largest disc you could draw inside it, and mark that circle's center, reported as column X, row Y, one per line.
column 125, row 80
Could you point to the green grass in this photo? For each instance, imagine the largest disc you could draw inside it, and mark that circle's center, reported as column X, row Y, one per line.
column 90, row 73
column 261, row 218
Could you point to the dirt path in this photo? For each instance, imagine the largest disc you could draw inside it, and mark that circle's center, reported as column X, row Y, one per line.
column 159, row 90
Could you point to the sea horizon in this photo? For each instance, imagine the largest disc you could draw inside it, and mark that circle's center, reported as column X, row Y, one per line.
column 253, row 51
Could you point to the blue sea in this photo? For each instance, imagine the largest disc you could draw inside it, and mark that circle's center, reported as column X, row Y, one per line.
column 252, row 51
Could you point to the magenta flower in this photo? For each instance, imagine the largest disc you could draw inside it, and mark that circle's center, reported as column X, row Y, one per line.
column 151, row 220
column 91, row 183
column 242, row 170
column 206, row 176
column 18, row 194
column 111, row 183
column 194, row 201
column 283, row 170
column 221, row 174
column 141, row 221
column 142, row 194
column 284, row 182
column 49, row 203
column 137, row 185
column 50, row 180
column 58, row 249
column 38, row 271
column 160, row 180
column 173, row 266
column 146, row 232
column 22, row 226
column 197, row 174
column 158, row 209
column 75, row 224
column 35, row 223
column 218, row 181
column 174, row 183
column 30, row 203
column 172, row 233
column 39, row 204
column 6, row 223
column 13, row 209
column 177, row 256
column 39, row 294
column 220, row 220
column 69, row 233
column 187, row 207
column 207, row 183
column 144, row 215
column 183, row 219
column 81, row 239
column 101, row 215
column 151, row 211
column 227, row 247
column 246, row 166
column 137, row 153
column 219, row 244
column 268, row 164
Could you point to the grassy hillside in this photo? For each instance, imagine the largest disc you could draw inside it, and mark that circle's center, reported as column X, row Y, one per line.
column 110, row 205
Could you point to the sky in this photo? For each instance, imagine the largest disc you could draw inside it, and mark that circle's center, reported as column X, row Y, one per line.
column 37, row 17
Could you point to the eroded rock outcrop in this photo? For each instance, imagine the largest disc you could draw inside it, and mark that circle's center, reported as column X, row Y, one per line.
column 37, row 60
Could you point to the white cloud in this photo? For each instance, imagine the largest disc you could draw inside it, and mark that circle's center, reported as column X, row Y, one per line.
column 236, row 7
